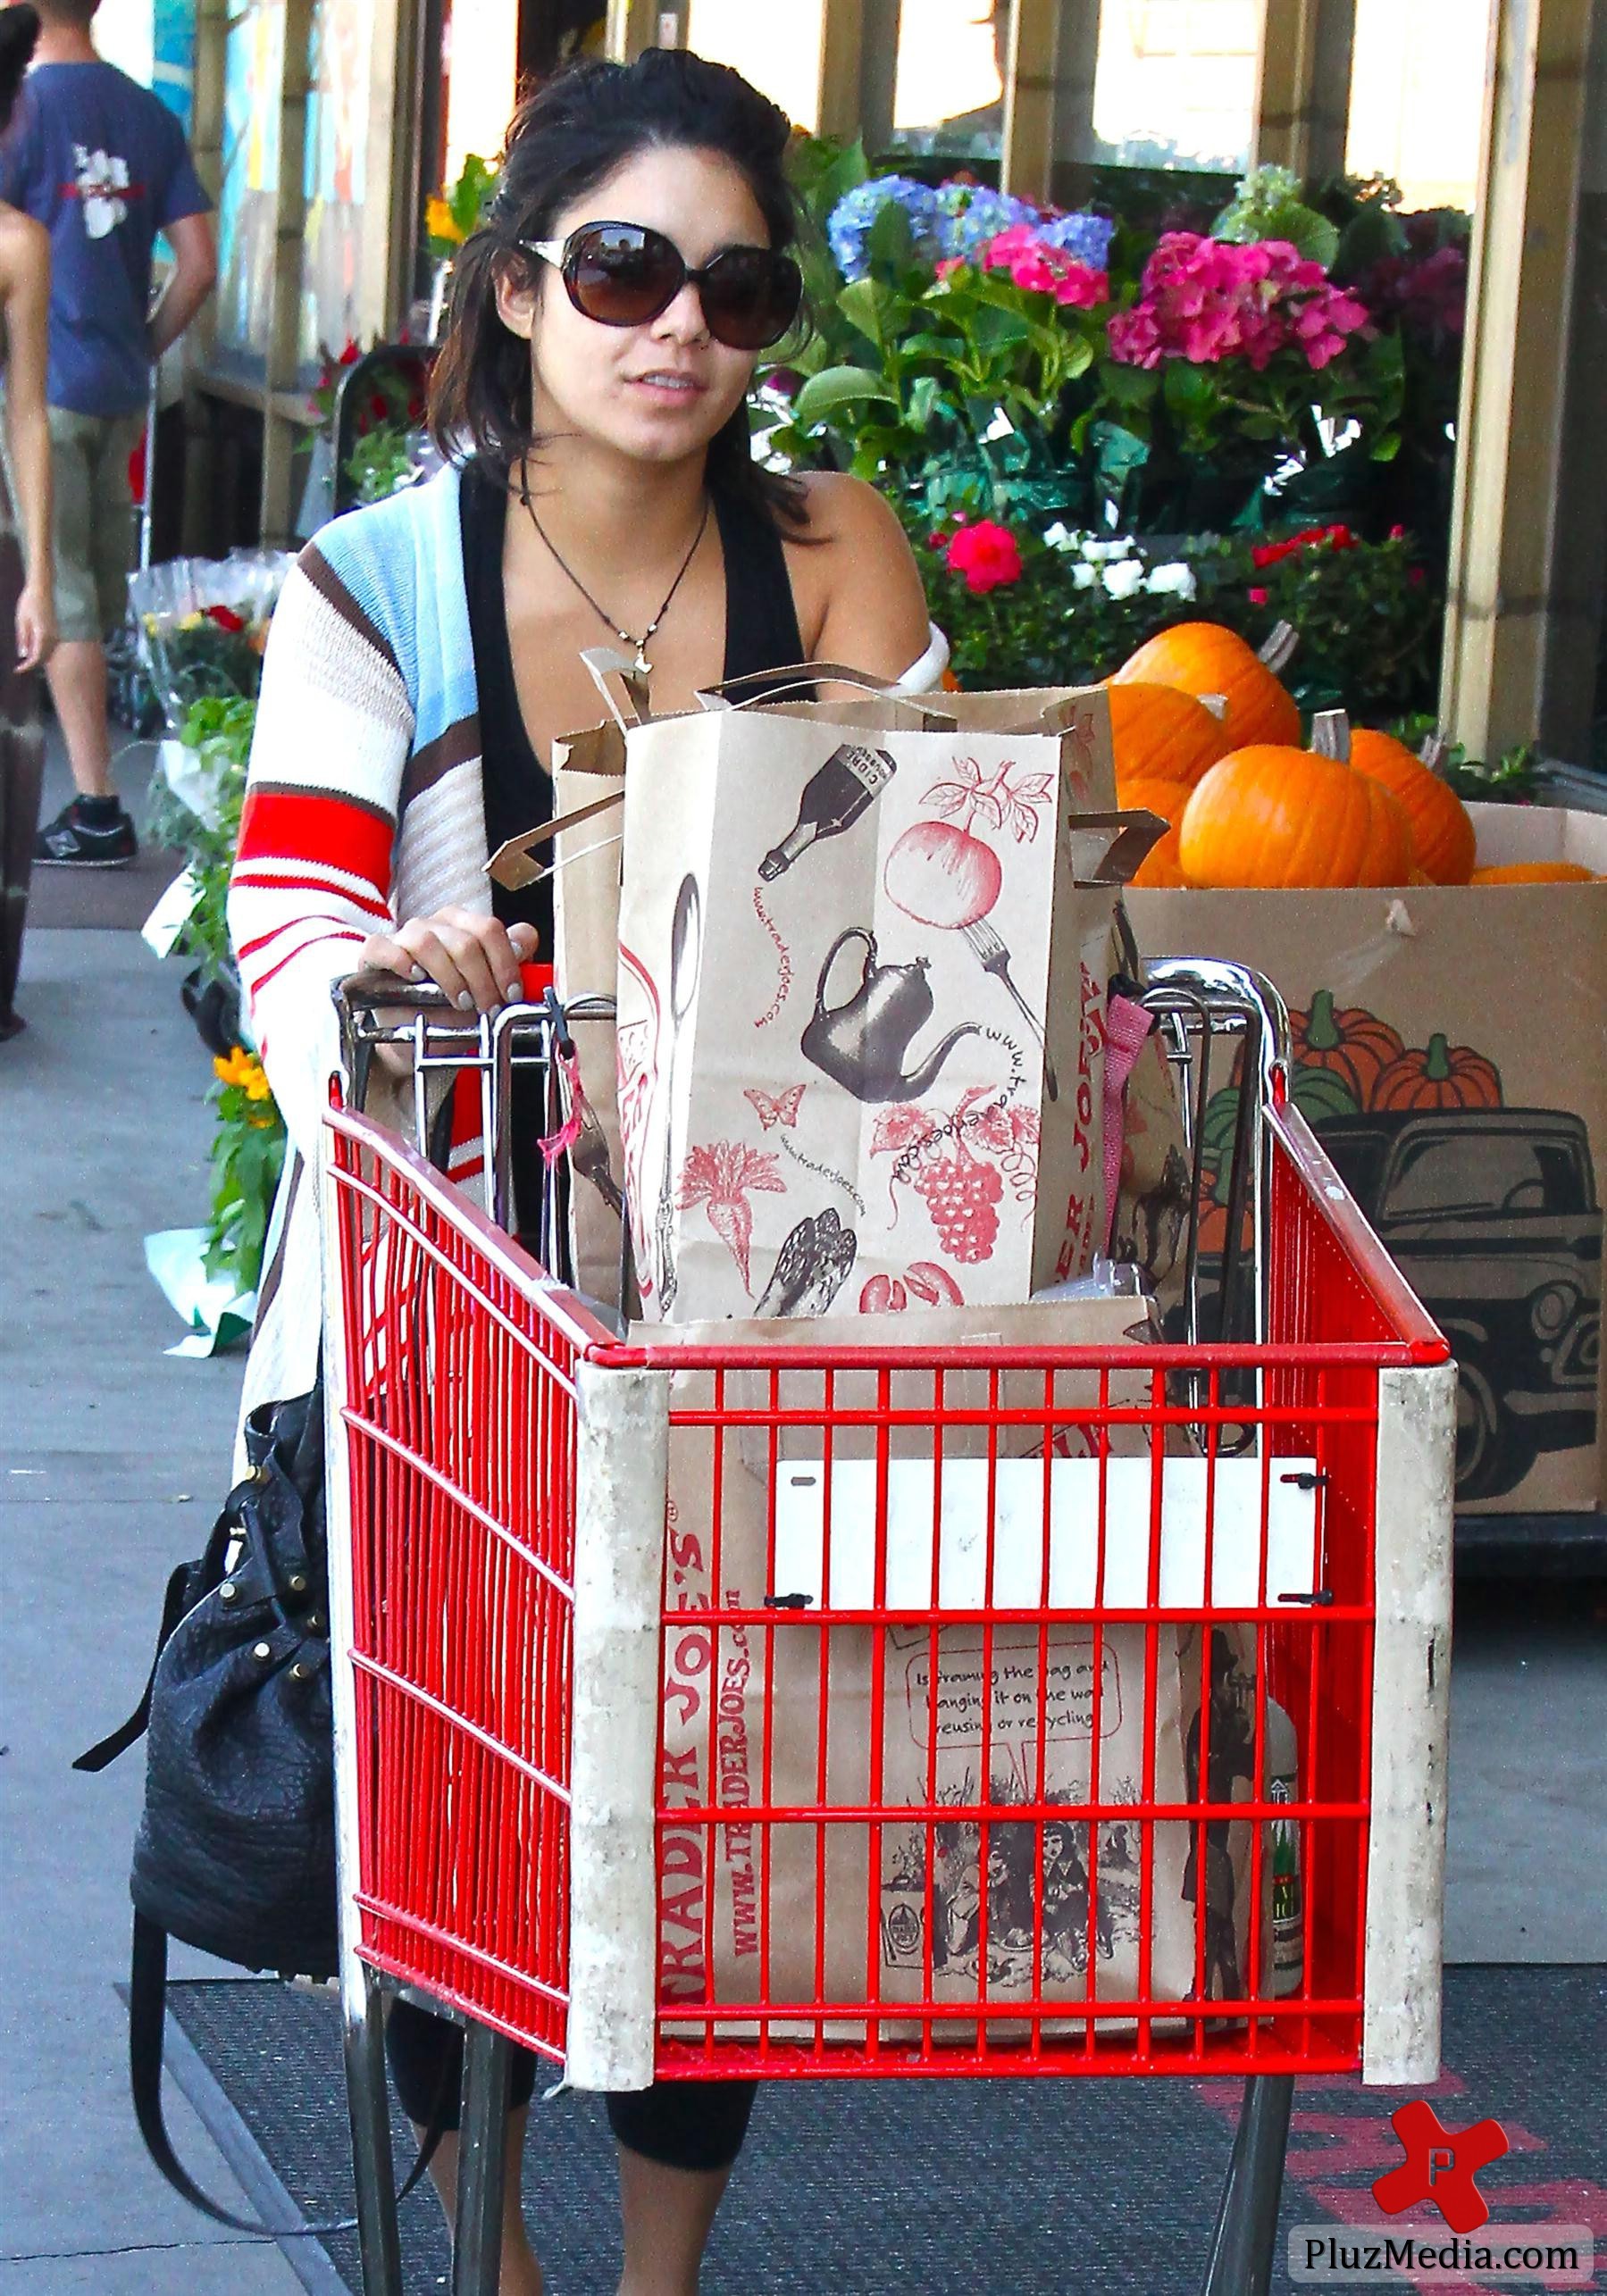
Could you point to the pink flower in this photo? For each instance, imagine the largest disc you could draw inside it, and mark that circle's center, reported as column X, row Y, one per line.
column 1044, row 269
column 1257, row 597
column 1206, row 300
column 986, row 553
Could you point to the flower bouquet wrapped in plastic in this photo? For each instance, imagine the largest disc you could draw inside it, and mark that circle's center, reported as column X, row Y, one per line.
column 203, row 624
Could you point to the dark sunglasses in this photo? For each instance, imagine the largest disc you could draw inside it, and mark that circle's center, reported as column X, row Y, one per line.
column 625, row 275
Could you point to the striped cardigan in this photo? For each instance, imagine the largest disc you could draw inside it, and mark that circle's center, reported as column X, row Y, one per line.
column 363, row 805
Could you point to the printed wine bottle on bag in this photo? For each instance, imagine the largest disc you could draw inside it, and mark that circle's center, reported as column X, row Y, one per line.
column 833, row 798
column 1283, row 1916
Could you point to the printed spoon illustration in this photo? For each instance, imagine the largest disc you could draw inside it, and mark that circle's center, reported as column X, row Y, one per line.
column 686, row 947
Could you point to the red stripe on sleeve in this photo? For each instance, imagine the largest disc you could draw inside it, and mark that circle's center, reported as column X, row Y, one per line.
column 286, row 824
column 256, row 986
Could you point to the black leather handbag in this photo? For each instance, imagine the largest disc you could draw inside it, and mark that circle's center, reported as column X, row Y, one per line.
column 236, row 1847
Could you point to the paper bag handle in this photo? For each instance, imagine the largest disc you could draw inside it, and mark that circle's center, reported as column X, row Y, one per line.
column 772, row 684
column 606, row 663
column 1130, row 834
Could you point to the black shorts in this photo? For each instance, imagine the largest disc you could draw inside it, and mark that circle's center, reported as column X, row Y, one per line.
column 696, row 2125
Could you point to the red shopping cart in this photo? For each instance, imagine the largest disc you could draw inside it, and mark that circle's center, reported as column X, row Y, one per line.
column 801, row 1711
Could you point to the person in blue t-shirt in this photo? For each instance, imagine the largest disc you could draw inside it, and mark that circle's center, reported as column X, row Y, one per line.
column 102, row 163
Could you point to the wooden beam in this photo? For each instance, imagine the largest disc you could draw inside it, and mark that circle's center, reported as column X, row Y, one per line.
column 206, row 148
column 841, row 55
column 1503, row 569
column 878, row 74
column 1302, row 94
column 633, row 25
column 1027, row 165
column 280, row 437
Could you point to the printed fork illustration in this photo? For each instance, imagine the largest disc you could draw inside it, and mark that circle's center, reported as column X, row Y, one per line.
column 995, row 957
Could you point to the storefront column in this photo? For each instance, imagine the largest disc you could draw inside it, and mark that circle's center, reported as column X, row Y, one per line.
column 206, row 148
column 1302, row 97
column 281, row 401
column 1506, row 583
column 839, row 111
column 633, row 26
column 1027, row 165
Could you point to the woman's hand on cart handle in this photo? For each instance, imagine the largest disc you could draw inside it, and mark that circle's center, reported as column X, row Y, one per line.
column 473, row 959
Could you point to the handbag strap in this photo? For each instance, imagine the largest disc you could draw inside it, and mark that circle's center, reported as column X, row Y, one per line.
column 118, row 1740
column 147, row 2018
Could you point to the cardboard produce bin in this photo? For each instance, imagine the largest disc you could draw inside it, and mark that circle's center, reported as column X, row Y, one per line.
column 1450, row 1044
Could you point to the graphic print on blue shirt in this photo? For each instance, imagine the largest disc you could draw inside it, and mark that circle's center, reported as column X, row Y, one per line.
column 102, row 163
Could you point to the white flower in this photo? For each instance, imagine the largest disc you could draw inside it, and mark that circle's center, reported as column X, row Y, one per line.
column 1099, row 551
column 1175, row 580
column 1059, row 536
column 1084, row 578
column 1122, row 581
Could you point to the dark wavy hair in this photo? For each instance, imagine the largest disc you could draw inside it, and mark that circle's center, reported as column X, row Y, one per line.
column 18, row 29
column 565, row 138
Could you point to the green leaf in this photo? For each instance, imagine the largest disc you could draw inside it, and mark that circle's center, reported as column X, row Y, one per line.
column 874, row 308
column 822, row 395
column 890, row 243
column 995, row 329
column 1128, row 386
column 924, row 399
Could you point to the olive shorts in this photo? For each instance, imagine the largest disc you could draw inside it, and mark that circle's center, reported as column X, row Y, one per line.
column 94, row 526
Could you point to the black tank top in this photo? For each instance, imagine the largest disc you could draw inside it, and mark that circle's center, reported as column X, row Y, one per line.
column 761, row 633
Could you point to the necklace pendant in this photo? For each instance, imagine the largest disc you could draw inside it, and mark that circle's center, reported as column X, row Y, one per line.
column 641, row 664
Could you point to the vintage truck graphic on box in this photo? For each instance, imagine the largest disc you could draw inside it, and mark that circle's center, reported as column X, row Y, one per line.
column 1491, row 1214
column 1490, row 1211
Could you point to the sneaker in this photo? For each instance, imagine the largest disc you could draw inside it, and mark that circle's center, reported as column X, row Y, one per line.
column 70, row 842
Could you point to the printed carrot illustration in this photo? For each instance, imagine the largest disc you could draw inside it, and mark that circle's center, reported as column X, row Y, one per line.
column 720, row 1175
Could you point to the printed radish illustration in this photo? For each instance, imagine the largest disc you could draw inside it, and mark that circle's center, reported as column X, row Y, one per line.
column 922, row 1279
column 941, row 872
column 720, row 1175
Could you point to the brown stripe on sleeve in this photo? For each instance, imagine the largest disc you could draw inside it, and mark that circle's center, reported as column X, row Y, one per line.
column 457, row 746
column 324, row 579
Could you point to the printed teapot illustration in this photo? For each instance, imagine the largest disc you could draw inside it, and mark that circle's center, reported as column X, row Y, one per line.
column 864, row 1042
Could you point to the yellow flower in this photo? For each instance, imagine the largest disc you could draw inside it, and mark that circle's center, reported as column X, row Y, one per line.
column 243, row 1070
column 442, row 223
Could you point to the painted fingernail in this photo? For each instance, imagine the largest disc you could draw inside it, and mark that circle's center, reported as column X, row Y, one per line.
column 465, row 1003
column 512, row 992
column 418, row 974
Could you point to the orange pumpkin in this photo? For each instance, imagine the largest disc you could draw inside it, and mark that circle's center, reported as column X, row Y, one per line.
column 1201, row 657
column 1159, row 733
column 1443, row 1075
column 1442, row 833
column 1273, row 815
column 1534, row 872
column 1161, row 866
column 1353, row 1044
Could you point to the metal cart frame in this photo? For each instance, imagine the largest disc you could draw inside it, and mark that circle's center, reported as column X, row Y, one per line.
column 1204, row 1010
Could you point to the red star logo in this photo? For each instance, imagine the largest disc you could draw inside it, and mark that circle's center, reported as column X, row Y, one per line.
column 1440, row 2166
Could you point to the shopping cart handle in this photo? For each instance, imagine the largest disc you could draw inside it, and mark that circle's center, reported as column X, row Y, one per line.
column 366, row 992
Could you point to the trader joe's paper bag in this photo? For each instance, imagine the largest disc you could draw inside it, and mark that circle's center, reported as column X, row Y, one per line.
column 861, row 996
column 747, row 1711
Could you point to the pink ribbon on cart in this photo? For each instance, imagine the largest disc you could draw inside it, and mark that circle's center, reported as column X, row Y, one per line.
column 1127, row 1027
column 559, row 1143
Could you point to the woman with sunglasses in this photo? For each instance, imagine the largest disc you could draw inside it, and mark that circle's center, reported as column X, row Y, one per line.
column 591, row 402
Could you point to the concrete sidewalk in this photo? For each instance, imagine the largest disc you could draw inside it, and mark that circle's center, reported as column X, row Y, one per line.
column 113, row 1459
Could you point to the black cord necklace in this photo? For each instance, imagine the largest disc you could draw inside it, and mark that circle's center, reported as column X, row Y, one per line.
column 625, row 637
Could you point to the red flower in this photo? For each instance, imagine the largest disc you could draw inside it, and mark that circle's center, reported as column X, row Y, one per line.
column 1257, row 597
column 226, row 619
column 1272, row 554
column 987, row 555
column 1397, row 534
column 350, row 356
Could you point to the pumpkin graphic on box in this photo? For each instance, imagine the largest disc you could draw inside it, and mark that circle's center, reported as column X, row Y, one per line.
column 1443, row 1075
column 1354, row 1045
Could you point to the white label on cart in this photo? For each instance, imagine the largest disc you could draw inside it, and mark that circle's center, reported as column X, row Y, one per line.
column 1243, row 1493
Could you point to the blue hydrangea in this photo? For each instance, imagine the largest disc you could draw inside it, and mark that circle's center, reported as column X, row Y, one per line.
column 1086, row 238
column 850, row 221
column 972, row 215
